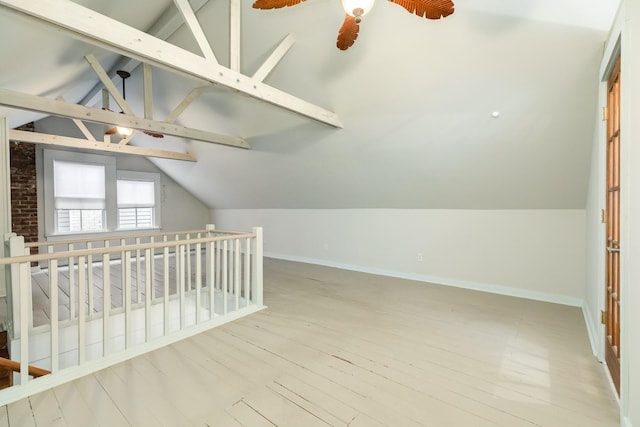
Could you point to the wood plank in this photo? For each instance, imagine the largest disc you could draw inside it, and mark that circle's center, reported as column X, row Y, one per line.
column 280, row 410
column 194, row 26
column 46, row 411
column 147, row 91
column 92, row 27
column 103, row 408
column 273, row 59
column 247, row 416
column 145, row 383
column 73, row 404
column 132, row 405
column 188, row 100
column 20, row 414
column 299, row 398
column 235, row 33
column 4, row 416
column 191, row 384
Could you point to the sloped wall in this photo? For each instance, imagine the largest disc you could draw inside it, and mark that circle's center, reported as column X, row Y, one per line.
column 537, row 254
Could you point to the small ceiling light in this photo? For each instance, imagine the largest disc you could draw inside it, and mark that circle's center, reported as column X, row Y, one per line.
column 495, row 114
column 357, row 8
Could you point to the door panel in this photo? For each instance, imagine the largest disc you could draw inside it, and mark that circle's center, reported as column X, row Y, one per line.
column 613, row 296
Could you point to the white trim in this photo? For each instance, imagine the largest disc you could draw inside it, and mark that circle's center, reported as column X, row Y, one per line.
column 5, row 195
column 591, row 330
column 49, row 156
column 626, row 422
column 446, row 281
column 144, row 176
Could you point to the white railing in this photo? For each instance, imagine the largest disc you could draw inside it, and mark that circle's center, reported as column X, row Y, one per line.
column 112, row 298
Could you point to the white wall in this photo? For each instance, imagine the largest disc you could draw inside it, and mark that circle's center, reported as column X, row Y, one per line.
column 532, row 253
column 595, row 242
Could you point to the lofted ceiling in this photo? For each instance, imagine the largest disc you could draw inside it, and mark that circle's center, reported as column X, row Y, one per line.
column 415, row 98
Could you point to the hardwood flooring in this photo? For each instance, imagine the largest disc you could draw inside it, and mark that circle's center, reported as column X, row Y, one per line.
column 343, row 348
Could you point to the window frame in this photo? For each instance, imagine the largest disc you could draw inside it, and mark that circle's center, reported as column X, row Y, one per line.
column 111, row 225
column 127, row 175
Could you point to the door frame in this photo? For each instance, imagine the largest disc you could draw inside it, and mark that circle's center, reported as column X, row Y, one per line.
column 614, row 65
column 602, row 196
column 613, row 49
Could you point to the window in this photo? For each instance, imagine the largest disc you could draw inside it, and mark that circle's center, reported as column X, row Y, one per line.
column 84, row 193
column 137, row 199
column 79, row 196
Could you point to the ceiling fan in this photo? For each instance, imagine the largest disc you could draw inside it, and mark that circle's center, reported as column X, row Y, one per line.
column 121, row 130
column 356, row 9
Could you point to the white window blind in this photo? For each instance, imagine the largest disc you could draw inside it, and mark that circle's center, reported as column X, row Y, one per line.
column 78, row 185
column 135, row 193
column 136, row 203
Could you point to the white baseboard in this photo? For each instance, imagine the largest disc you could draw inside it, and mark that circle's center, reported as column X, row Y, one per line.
column 592, row 330
column 484, row 287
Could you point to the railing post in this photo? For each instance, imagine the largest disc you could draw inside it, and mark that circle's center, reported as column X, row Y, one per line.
column 256, row 282
column 15, row 247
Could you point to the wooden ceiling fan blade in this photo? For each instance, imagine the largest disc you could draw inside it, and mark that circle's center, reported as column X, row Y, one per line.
column 348, row 33
column 275, row 4
column 430, row 9
column 153, row 134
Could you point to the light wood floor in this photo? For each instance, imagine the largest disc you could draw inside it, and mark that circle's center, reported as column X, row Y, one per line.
column 349, row 349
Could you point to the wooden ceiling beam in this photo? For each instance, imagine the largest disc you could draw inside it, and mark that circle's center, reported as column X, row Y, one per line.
column 55, row 107
column 108, row 84
column 100, row 30
column 274, row 58
column 65, row 141
column 194, row 26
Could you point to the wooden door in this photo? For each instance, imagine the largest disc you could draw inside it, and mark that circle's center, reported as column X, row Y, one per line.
column 613, row 296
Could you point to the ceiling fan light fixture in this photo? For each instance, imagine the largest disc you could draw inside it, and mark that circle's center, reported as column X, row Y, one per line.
column 124, row 131
column 124, row 75
column 357, row 8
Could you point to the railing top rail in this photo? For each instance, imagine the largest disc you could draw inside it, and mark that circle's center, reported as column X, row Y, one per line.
column 114, row 237
column 116, row 249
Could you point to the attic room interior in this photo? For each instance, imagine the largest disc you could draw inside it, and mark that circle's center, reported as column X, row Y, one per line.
column 298, row 213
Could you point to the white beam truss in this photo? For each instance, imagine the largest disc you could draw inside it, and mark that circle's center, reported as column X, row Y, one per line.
column 100, row 30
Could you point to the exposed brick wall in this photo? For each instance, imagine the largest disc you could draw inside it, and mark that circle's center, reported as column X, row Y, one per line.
column 24, row 200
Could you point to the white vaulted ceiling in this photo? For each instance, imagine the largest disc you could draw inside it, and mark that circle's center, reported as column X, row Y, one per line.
column 415, row 98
